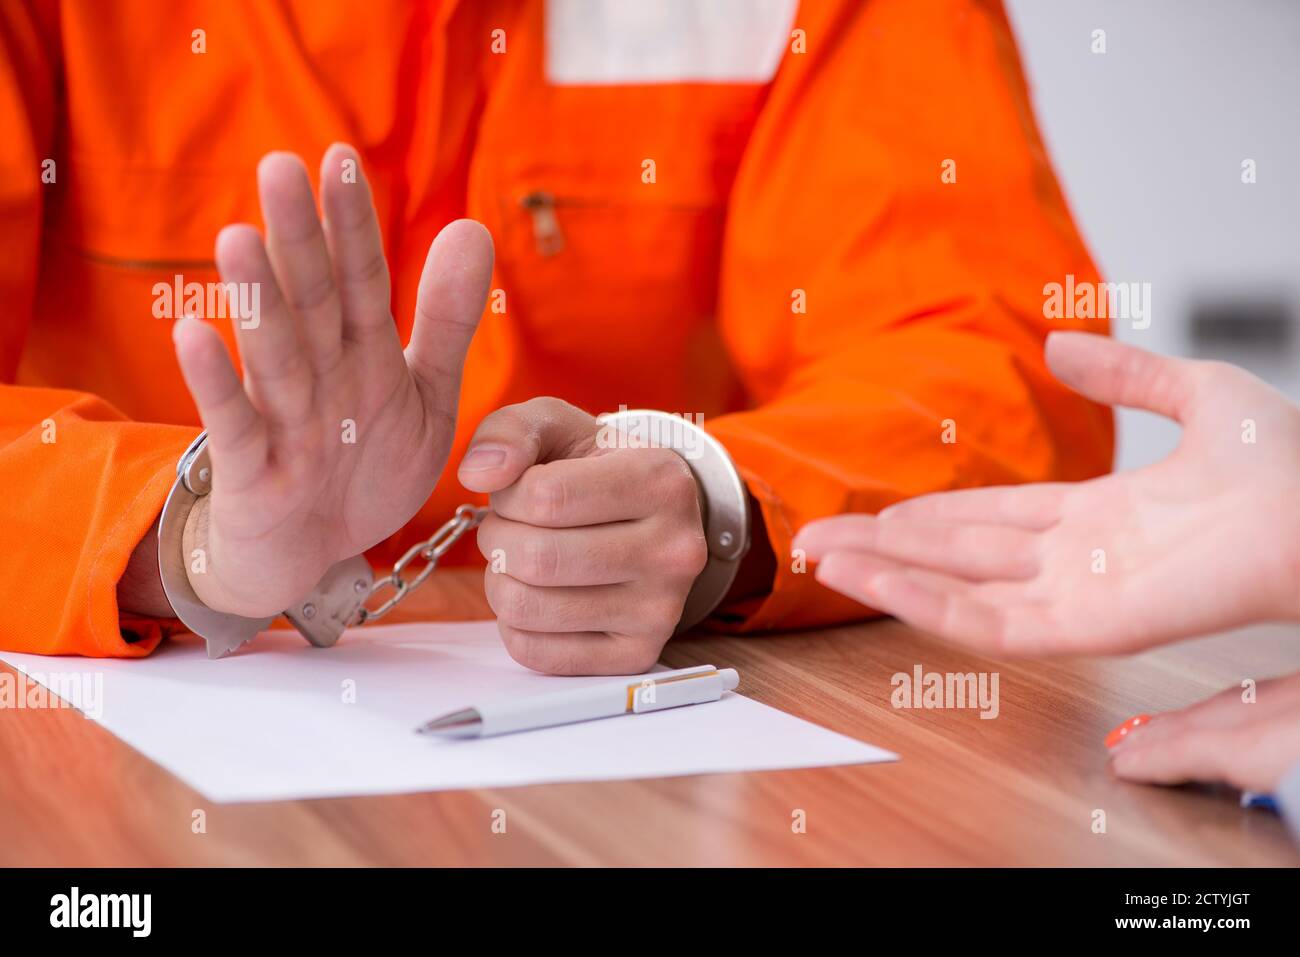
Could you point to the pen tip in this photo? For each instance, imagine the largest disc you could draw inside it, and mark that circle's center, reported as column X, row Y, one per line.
column 466, row 723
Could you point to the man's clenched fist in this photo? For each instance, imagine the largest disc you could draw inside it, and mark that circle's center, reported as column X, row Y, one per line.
column 591, row 551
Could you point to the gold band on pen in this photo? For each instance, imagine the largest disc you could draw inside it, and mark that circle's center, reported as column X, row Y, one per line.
column 632, row 689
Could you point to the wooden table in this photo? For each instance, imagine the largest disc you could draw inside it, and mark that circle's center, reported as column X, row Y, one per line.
column 1017, row 790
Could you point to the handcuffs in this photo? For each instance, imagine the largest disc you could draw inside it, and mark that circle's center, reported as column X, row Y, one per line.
column 340, row 599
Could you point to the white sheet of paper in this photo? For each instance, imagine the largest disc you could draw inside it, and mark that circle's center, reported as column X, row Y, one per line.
column 274, row 720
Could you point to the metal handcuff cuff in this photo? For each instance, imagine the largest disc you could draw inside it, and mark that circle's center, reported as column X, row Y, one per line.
column 340, row 599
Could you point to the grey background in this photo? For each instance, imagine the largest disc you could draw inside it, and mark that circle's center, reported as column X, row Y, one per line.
column 1148, row 140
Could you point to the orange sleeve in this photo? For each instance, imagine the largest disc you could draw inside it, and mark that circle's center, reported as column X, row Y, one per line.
column 889, row 325
column 80, row 484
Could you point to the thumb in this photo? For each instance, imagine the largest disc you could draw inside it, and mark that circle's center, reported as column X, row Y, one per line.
column 1113, row 373
column 1189, row 754
column 514, row 438
column 448, row 305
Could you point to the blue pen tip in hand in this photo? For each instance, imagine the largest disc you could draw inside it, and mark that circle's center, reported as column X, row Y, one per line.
column 1255, row 799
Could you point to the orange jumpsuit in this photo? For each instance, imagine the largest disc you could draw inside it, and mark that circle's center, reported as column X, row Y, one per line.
column 779, row 253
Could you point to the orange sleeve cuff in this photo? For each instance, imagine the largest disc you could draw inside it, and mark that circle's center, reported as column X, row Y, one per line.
column 797, row 599
column 86, row 487
column 143, row 635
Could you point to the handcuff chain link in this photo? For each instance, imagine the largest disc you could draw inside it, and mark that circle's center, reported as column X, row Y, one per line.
column 466, row 519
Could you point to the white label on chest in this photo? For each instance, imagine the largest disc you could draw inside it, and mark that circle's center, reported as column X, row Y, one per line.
column 604, row 42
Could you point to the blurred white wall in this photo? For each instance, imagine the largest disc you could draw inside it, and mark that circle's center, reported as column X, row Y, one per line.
column 1148, row 140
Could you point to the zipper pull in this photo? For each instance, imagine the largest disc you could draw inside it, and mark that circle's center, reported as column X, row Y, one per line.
column 546, row 226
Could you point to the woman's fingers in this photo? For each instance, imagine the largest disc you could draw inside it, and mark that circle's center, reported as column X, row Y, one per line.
column 1230, row 708
column 970, row 551
column 1192, row 754
column 236, row 433
column 277, row 374
column 1113, row 373
column 356, row 245
column 1249, row 741
column 1024, row 506
column 988, row 618
column 1252, row 755
column 295, row 245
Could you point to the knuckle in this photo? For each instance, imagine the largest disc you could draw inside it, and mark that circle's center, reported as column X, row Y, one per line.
column 510, row 601
column 491, row 589
column 671, row 473
column 276, row 370
column 544, row 495
column 520, row 646
column 1213, row 375
column 536, row 652
column 485, row 535
column 374, row 268
column 697, row 555
column 517, row 602
column 684, row 555
column 679, row 491
column 540, row 558
column 1214, row 369
column 544, row 406
column 641, row 657
column 664, row 616
column 314, row 294
column 569, row 613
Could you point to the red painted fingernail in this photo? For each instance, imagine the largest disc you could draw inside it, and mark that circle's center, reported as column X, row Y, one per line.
column 1120, row 733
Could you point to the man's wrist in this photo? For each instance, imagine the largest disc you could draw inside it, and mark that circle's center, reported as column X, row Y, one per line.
column 184, row 560
column 757, row 572
column 722, row 492
column 200, row 571
column 194, row 556
column 140, row 590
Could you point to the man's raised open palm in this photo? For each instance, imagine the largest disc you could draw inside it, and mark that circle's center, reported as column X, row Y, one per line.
column 335, row 436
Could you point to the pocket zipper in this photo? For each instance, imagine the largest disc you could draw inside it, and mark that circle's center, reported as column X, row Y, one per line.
column 541, row 205
column 147, row 265
column 546, row 225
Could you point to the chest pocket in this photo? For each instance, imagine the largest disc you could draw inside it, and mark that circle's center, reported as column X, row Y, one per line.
column 608, row 201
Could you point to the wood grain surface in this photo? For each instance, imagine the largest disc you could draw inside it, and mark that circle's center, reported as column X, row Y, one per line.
column 1017, row 790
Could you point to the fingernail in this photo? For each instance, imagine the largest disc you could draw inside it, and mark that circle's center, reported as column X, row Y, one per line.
column 482, row 458
column 1117, row 735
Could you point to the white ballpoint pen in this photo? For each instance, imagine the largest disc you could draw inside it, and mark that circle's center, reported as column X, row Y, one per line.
column 656, row 691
